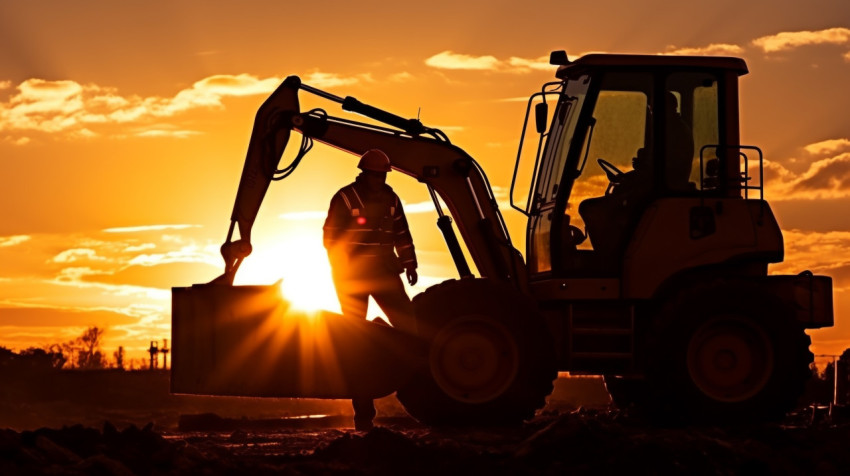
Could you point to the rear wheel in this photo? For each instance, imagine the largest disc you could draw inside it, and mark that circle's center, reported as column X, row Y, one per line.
column 728, row 354
column 491, row 358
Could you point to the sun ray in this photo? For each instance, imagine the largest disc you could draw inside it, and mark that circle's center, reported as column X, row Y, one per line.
column 300, row 262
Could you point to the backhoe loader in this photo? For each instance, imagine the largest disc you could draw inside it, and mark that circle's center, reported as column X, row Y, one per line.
column 648, row 242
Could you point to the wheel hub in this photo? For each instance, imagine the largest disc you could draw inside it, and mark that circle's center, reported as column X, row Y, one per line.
column 730, row 359
column 474, row 359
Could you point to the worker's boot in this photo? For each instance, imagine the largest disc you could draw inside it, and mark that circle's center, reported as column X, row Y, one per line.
column 364, row 413
column 362, row 424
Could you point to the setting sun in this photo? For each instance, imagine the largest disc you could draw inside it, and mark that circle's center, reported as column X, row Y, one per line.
column 299, row 261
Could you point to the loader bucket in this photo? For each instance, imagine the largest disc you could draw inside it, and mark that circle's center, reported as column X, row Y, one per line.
column 247, row 341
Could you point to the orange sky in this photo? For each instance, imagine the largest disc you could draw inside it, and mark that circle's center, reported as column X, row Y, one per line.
column 124, row 125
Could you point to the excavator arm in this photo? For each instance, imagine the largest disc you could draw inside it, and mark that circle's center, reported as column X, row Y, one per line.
column 415, row 150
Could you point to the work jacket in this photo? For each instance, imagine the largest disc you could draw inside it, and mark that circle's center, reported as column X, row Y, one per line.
column 362, row 223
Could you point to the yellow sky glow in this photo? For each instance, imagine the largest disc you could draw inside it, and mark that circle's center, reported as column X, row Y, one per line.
column 121, row 150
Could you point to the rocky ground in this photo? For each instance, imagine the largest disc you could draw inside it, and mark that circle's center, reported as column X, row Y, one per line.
column 578, row 442
column 105, row 434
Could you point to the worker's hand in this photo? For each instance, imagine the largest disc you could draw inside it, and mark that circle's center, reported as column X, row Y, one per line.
column 412, row 277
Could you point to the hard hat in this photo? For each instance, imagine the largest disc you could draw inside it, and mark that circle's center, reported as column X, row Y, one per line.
column 375, row 160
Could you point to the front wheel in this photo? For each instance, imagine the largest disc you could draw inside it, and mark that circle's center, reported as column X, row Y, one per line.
column 728, row 354
column 491, row 358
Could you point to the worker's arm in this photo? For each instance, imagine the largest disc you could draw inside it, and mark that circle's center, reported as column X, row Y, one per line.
column 334, row 229
column 403, row 242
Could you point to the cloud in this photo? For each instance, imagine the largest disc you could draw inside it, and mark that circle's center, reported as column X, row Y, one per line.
column 828, row 146
column 79, row 110
column 142, row 247
column 329, row 80
column 450, row 60
column 163, row 276
column 13, row 240
column 23, row 140
column 401, row 77
column 827, row 178
column 67, row 106
column 119, row 278
column 714, row 49
column 187, row 254
column 522, row 64
column 115, row 253
column 76, row 254
column 168, row 133
column 828, row 175
column 820, row 252
column 228, row 85
column 459, row 61
column 789, row 40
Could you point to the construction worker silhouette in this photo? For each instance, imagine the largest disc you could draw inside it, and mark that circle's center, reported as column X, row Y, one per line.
column 369, row 245
column 610, row 218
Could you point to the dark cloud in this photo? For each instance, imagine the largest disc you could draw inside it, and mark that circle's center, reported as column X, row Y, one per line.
column 163, row 276
column 832, row 174
column 50, row 317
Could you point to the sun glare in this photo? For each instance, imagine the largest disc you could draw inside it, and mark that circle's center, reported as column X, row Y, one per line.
column 301, row 263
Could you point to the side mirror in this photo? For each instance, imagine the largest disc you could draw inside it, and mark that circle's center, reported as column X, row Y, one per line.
column 541, row 114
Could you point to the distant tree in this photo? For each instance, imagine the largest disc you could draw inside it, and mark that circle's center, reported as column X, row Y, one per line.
column 828, row 374
column 59, row 357
column 844, row 377
column 84, row 351
column 818, row 389
column 42, row 359
column 89, row 355
column 6, row 354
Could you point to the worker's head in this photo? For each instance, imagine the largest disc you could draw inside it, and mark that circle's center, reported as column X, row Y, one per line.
column 672, row 103
column 375, row 164
column 374, row 160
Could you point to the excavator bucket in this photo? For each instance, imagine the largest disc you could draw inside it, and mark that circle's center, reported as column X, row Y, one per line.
column 248, row 341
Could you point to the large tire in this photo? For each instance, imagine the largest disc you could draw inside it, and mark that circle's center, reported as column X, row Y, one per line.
column 727, row 354
column 491, row 357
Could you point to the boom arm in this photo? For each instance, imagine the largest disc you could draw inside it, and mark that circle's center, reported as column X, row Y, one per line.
column 445, row 168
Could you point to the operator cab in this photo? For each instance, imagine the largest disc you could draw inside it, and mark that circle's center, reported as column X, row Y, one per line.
column 626, row 131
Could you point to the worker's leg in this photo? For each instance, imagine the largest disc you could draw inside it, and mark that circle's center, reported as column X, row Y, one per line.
column 353, row 301
column 392, row 298
column 353, row 304
column 352, row 289
column 364, row 413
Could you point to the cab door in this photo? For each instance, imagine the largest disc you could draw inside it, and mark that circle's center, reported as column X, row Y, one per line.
column 551, row 177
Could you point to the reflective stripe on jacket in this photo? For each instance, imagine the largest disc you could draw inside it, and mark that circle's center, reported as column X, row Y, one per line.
column 369, row 224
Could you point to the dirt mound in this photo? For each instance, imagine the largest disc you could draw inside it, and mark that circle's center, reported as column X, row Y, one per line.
column 581, row 442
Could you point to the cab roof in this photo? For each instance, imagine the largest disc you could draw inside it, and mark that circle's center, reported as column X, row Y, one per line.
column 616, row 61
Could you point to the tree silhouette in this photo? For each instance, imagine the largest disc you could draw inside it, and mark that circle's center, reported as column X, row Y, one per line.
column 90, row 356
column 43, row 359
column 84, row 351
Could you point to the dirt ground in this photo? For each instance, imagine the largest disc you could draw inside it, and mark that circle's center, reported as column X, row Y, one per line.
column 138, row 428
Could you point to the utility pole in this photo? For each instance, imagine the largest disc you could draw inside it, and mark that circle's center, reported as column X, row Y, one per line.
column 164, row 351
column 154, row 351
